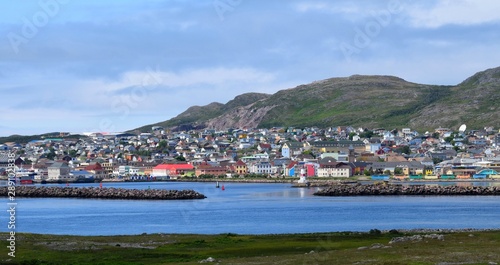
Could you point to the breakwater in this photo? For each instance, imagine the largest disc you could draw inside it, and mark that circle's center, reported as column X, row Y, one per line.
column 102, row 193
column 373, row 189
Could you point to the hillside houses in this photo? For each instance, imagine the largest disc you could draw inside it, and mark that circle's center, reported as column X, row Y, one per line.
column 275, row 152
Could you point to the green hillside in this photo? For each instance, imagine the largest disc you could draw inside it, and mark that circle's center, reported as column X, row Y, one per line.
column 367, row 101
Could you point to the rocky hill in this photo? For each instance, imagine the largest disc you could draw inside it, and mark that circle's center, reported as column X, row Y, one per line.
column 368, row 101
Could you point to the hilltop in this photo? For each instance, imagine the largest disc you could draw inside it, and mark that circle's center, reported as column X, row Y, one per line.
column 358, row 100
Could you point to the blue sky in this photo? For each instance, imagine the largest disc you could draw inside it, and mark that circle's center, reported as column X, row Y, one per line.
column 110, row 66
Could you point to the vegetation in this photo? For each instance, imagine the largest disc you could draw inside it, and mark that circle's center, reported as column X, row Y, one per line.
column 23, row 139
column 366, row 101
column 320, row 248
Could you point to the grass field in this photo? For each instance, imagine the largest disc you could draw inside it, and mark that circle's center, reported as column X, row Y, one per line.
column 477, row 247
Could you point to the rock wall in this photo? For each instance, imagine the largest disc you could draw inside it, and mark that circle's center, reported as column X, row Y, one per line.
column 369, row 190
column 102, row 193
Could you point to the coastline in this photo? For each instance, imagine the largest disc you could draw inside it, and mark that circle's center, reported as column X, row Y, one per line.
column 315, row 182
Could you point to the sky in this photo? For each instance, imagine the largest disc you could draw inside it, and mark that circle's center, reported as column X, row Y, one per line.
column 111, row 66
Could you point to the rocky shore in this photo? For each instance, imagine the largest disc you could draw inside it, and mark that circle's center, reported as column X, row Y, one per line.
column 102, row 193
column 389, row 189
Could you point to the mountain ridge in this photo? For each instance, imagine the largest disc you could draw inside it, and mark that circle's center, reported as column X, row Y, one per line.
column 357, row 100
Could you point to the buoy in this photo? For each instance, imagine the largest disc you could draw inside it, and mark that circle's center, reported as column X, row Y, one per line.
column 67, row 184
column 223, row 187
column 217, row 185
column 100, row 185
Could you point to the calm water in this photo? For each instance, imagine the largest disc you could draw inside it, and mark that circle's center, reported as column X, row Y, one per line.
column 250, row 209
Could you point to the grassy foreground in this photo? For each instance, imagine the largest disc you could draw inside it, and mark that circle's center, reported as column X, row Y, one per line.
column 478, row 247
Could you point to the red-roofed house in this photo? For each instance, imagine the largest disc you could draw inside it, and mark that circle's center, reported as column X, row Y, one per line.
column 290, row 169
column 264, row 147
column 173, row 170
column 97, row 170
column 240, row 168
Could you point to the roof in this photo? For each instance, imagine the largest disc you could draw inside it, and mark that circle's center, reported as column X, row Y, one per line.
column 174, row 166
column 341, row 143
column 240, row 163
column 95, row 166
column 332, row 164
column 59, row 165
column 294, row 144
column 291, row 165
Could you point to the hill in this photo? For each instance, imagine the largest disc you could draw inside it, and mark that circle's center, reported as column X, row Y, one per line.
column 358, row 100
column 23, row 139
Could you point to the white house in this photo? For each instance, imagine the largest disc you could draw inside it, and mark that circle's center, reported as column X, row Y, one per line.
column 330, row 168
column 59, row 171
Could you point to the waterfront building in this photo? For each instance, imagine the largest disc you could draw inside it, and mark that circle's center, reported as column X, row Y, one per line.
column 59, row 171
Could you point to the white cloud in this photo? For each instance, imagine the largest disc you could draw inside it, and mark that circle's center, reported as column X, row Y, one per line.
column 458, row 12
column 135, row 99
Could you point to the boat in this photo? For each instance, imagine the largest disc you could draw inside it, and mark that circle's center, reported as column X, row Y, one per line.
column 24, row 176
column 26, row 180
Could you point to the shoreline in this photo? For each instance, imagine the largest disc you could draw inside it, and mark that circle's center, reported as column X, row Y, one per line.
column 312, row 182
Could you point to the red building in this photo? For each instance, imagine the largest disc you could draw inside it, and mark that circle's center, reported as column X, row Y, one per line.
column 97, row 170
column 173, row 170
column 207, row 169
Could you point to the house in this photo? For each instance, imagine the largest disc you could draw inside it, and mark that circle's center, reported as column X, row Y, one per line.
column 311, row 169
column 240, row 168
column 408, row 167
column 372, row 145
column 328, row 167
column 262, row 147
column 394, row 157
column 291, row 149
column 261, row 168
column 127, row 170
column 173, row 170
column 108, row 166
column 290, row 169
column 59, row 171
column 359, row 167
column 97, row 170
column 207, row 169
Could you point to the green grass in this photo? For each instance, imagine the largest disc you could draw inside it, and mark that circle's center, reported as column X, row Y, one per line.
column 321, row 248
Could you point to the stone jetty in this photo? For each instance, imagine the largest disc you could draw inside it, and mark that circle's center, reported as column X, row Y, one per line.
column 389, row 189
column 102, row 193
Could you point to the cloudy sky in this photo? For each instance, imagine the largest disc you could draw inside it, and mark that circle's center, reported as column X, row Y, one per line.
column 110, row 66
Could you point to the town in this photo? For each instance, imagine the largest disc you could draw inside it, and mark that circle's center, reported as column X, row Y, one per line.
column 341, row 152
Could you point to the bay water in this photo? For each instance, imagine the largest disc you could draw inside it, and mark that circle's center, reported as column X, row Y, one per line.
column 243, row 208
